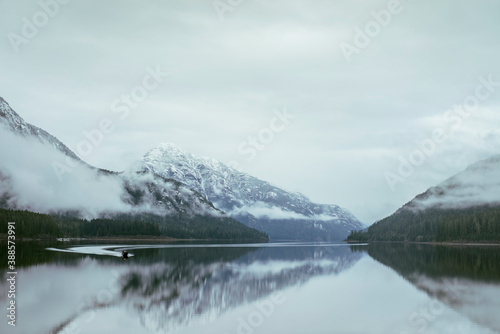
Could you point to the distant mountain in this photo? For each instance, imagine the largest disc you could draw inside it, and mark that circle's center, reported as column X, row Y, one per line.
column 16, row 124
column 29, row 180
column 256, row 203
column 465, row 207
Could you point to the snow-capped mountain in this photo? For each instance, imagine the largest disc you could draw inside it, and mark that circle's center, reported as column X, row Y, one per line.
column 138, row 192
column 465, row 207
column 256, row 203
column 478, row 184
column 17, row 125
column 31, row 179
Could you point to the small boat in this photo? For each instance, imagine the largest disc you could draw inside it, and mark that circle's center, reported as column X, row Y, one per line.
column 124, row 254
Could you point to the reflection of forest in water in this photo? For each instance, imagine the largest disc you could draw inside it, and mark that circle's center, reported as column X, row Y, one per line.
column 190, row 282
column 466, row 278
column 167, row 287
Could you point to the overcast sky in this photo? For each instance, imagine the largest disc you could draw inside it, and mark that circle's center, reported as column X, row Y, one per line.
column 359, row 103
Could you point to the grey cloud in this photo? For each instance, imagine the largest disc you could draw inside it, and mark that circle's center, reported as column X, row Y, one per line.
column 226, row 76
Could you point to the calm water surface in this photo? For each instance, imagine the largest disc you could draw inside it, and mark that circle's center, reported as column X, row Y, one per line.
column 267, row 288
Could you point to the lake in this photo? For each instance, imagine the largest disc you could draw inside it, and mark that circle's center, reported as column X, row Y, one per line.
column 192, row 288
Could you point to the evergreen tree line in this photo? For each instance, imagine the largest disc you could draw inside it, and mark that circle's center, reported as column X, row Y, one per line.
column 35, row 225
column 199, row 227
column 474, row 224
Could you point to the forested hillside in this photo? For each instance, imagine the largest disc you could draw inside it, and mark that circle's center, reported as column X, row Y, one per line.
column 34, row 225
column 474, row 224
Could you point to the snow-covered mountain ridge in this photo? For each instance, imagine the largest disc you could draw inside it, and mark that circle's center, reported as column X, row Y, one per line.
column 28, row 180
column 255, row 202
column 17, row 125
column 478, row 184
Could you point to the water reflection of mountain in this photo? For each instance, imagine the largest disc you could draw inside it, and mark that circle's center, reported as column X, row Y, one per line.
column 466, row 278
column 167, row 285
column 180, row 287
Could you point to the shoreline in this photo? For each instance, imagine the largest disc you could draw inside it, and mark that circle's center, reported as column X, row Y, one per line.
column 461, row 243
column 138, row 238
column 436, row 243
column 119, row 239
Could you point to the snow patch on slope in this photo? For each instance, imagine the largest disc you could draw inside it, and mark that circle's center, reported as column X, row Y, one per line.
column 241, row 194
column 478, row 185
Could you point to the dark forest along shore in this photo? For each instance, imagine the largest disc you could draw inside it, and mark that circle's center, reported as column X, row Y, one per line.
column 188, row 287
